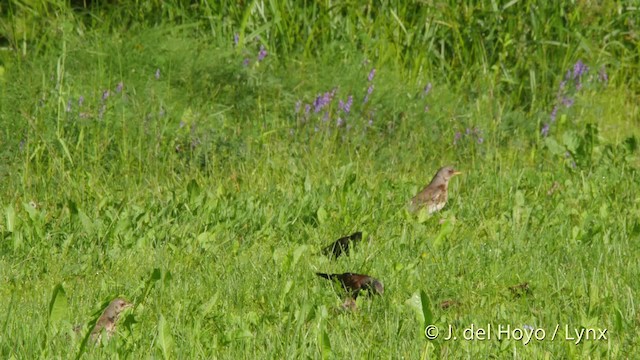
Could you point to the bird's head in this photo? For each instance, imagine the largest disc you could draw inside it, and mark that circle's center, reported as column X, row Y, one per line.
column 118, row 305
column 447, row 172
column 377, row 287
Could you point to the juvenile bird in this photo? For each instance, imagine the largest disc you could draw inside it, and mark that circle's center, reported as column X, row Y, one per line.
column 108, row 319
column 434, row 196
column 342, row 245
column 354, row 283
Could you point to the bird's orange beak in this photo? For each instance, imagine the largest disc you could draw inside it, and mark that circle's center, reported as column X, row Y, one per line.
column 457, row 172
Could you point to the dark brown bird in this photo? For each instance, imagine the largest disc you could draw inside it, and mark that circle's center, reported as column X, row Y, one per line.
column 108, row 319
column 342, row 245
column 354, row 283
column 434, row 196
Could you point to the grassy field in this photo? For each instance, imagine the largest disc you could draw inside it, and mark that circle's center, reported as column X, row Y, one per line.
column 194, row 159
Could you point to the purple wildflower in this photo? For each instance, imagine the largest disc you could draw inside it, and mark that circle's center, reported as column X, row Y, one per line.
column 307, row 108
column 105, row 95
column 427, row 89
column 372, row 74
column 567, row 101
column 68, row 108
column 554, row 113
column 341, row 104
column 262, row 54
column 579, row 69
column 457, row 137
column 563, row 83
column 103, row 108
column 347, row 105
column 80, row 101
column 236, row 39
column 602, row 75
column 21, row 145
column 545, row 130
column 480, row 139
column 245, row 62
column 369, row 91
column 119, row 87
column 158, row 74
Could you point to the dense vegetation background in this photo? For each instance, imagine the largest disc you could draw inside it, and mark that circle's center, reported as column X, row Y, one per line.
column 194, row 156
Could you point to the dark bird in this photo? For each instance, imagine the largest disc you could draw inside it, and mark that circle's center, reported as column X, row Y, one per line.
column 434, row 196
column 342, row 245
column 354, row 283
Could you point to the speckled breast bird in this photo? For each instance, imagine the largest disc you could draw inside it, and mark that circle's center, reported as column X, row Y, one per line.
column 434, row 196
column 342, row 245
column 353, row 284
column 109, row 318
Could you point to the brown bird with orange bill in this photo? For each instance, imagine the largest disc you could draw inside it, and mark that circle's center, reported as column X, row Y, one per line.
column 342, row 245
column 434, row 196
column 354, row 283
column 108, row 319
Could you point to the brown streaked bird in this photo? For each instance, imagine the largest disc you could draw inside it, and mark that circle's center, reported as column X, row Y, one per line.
column 342, row 245
column 108, row 319
column 434, row 196
column 354, row 283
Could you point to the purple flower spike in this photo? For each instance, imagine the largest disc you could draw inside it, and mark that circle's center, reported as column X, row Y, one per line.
column 480, row 140
column 602, row 75
column 68, row 108
column 105, row 95
column 119, row 87
column 579, row 69
column 545, row 130
column 80, row 101
column 554, row 113
column 262, row 54
column 567, row 102
column 372, row 74
column 457, row 137
column 427, row 89
column 236, row 39
column 245, row 62
column 158, row 74
column 347, row 105
column 370, row 89
column 307, row 108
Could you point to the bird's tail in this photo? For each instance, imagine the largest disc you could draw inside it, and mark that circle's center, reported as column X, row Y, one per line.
column 326, row 276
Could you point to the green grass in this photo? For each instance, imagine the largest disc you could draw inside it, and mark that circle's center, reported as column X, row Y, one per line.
column 202, row 196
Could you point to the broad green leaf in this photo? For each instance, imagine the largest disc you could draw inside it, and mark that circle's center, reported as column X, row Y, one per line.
column 553, row 146
column 57, row 305
column 426, row 308
column 322, row 215
column 165, row 339
column 415, row 303
column 325, row 344
column 11, row 218
column 297, row 253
